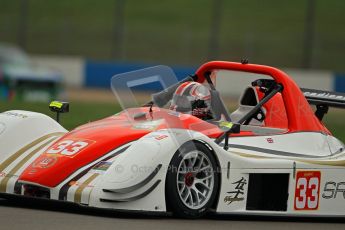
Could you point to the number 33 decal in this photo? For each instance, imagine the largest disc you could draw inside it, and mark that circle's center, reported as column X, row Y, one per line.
column 68, row 147
column 307, row 190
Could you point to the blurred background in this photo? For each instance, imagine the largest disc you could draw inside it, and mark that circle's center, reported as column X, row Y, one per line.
column 70, row 49
column 295, row 33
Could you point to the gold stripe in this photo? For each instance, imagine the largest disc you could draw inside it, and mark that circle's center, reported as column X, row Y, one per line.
column 331, row 163
column 251, row 155
column 340, row 163
column 3, row 184
column 79, row 191
column 20, row 152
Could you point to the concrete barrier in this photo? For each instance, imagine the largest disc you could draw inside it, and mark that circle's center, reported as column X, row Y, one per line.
column 72, row 68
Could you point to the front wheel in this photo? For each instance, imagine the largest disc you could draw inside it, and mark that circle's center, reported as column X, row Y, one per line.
column 192, row 181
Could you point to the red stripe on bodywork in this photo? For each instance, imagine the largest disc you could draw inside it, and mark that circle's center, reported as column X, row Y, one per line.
column 102, row 137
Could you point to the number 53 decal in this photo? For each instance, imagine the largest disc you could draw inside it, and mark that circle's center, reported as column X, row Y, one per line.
column 307, row 190
column 68, row 147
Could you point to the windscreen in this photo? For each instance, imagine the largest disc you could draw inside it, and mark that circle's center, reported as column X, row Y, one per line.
column 135, row 88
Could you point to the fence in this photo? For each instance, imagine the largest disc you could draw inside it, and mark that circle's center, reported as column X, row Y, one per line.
column 296, row 33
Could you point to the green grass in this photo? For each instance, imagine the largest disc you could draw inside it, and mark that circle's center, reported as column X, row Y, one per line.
column 335, row 121
column 82, row 112
column 178, row 32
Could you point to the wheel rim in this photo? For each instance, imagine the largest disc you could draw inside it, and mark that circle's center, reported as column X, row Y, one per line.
column 195, row 179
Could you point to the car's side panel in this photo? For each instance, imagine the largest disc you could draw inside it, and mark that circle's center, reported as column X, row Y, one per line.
column 332, row 191
column 315, row 185
column 136, row 179
column 301, row 144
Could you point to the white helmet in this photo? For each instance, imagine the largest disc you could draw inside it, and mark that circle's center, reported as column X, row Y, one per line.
column 192, row 98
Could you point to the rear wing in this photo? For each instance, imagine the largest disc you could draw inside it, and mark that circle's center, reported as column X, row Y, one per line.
column 326, row 98
column 323, row 100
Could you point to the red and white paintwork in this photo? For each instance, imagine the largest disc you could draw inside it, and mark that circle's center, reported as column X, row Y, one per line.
column 63, row 162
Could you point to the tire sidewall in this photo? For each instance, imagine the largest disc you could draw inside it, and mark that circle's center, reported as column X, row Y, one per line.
column 172, row 195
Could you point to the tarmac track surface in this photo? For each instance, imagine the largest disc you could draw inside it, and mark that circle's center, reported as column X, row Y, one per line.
column 49, row 216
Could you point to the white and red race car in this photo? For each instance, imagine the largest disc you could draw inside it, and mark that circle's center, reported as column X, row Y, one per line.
column 272, row 156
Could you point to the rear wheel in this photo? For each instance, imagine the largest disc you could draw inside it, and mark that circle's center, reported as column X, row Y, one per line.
column 192, row 181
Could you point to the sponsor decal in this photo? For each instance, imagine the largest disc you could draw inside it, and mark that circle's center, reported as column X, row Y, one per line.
column 270, row 140
column 225, row 124
column 102, row 166
column 13, row 114
column 3, row 175
column 324, row 95
column 45, row 162
column 77, row 183
column 332, row 190
column 307, row 190
column 160, row 137
column 237, row 194
column 69, row 147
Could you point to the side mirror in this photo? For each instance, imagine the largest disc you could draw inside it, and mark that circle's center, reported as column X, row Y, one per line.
column 59, row 107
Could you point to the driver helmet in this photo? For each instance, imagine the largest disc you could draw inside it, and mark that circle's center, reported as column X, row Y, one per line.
column 192, row 98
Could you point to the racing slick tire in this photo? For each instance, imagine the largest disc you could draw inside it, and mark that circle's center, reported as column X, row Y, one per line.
column 192, row 181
